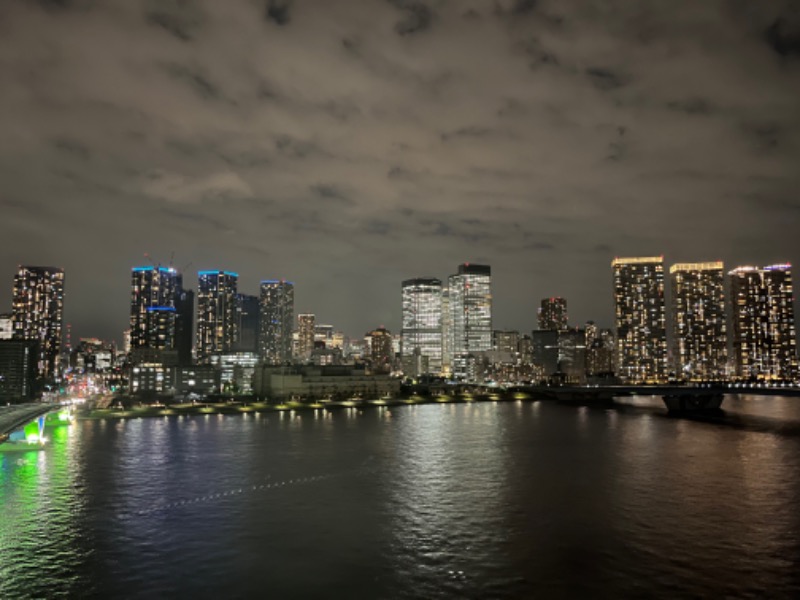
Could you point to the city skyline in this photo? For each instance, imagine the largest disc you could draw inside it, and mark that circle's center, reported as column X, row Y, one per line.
column 385, row 144
column 176, row 284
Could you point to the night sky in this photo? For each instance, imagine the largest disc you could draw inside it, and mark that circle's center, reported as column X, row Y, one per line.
column 348, row 145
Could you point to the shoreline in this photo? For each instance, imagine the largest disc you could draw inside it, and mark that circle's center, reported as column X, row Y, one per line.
column 226, row 408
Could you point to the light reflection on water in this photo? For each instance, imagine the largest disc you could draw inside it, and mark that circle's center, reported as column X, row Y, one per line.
column 444, row 500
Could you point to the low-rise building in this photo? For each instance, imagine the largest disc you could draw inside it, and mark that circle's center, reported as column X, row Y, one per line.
column 283, row 383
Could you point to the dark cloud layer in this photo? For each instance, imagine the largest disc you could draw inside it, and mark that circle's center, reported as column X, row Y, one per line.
column 350, row 145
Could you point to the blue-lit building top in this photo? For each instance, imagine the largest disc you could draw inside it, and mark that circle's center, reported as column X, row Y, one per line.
column 153, row 312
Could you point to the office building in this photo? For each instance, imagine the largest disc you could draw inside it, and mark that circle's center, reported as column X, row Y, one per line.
column 763, row 328
column 422, row 321
column 471, row 308
column 276, row 321
column 699, row 330
column 553, row 314
column 38, row 314
column 640, row 319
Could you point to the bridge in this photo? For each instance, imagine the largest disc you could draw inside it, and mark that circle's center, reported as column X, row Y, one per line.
column 677, row 398
column 16, row 416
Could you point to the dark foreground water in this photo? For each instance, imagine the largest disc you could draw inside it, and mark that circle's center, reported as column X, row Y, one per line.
column 510, row 500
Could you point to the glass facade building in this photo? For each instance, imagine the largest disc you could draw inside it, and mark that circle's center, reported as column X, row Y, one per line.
column 422, row 320
column 699, row 329
column 216, row 313
column 471, row 308
column 763, row 328
column 276, row 307
column 640, row 320
column 38, row 314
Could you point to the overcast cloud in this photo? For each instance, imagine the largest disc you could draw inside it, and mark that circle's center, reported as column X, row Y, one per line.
column 347, row 145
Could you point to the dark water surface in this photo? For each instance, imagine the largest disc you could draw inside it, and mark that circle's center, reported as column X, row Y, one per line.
column 506, row 500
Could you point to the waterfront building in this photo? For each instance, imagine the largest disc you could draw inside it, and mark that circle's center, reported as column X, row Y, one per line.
column 216, row 313
column 471, row 308
column 236, row 371
column 153, row 313
column 640, row 319
column 305, row 336
column 277, row 384
column 248, row 323
column 276, row 321
column 763, row 327
column 149, row 378
column 553, row 314
column 699, row 330
column 38, row 314
column 422, row 321
column 195, row 380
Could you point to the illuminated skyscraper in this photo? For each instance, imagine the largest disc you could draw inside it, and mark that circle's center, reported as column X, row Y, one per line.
column 699, row 331
column 471, row 308
column 153, row 312
column 216, row 313
column 553, row 314
column 422, row 320
column 305, row 330
column 276, row 321
column 764, row 337
column 38, row 314
column 640, row 319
